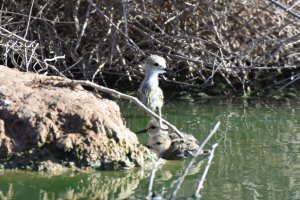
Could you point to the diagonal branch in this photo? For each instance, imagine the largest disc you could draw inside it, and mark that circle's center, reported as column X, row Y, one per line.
column 201, row 181
column 187, row 168
column 117, row 94
column 286, row 9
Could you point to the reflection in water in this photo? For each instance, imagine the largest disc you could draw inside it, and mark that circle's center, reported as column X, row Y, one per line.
column 7, row 195
column 258, row 157
column 98, row 185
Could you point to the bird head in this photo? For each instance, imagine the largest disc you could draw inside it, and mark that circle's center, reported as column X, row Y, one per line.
column 153, row 128
column 159, row 143
column 155, row 63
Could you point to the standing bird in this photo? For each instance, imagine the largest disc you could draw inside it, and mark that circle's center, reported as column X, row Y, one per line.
column 168, row 145
column 149, row 93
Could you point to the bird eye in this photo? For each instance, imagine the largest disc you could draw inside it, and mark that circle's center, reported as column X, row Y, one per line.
column 156, row 64
column 158, row 143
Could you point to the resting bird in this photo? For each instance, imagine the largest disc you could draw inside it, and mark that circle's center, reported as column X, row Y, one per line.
column 167, row 144
column 149, row 92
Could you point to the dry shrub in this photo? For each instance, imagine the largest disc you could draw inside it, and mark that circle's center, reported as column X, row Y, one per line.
column 239, row 44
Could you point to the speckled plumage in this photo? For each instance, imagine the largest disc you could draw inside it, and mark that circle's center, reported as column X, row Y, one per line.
column 152, row 97
column 149, row 93
column 168, row 145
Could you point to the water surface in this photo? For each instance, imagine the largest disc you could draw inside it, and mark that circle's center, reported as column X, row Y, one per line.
column 258, row 157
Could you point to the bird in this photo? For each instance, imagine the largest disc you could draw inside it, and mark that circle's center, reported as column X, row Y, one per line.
column 149, row 92
column 169, row 145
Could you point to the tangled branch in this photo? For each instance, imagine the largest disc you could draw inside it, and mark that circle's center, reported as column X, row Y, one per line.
column 242, row 45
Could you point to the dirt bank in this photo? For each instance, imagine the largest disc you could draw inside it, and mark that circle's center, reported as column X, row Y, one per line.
column 48, row 126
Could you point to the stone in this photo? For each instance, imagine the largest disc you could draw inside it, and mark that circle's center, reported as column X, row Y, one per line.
column 51, row 122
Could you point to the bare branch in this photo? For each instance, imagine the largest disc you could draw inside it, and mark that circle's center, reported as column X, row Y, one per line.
column 28, row 23
column 187, row 168
column 201, row 181
column 119, row 95
column 285, row 8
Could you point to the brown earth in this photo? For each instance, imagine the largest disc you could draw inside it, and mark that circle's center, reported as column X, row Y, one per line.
column 49, row 125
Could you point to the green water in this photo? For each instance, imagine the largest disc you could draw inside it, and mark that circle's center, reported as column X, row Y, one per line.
column 258, row 157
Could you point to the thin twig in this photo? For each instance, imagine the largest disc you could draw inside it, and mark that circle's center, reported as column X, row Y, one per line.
column 285, row 8
column 16, row 36
column 201, row 181
column 293, row 79
column 124, row 6
column 69, row 68
column 111, row 22
column 98, row 71
column 189, row 165
column 54, row 58
column 75, row 16
column 296, row 3
column 88, row 12
column 53, row 67
column 29, row 18
column 123, row 62
column 31, row 56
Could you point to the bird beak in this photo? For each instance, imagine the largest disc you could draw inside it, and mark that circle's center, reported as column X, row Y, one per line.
column 169, row 71
column 142, row 131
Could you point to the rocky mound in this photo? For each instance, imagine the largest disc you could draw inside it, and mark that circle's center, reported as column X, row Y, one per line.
column 45, row 125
